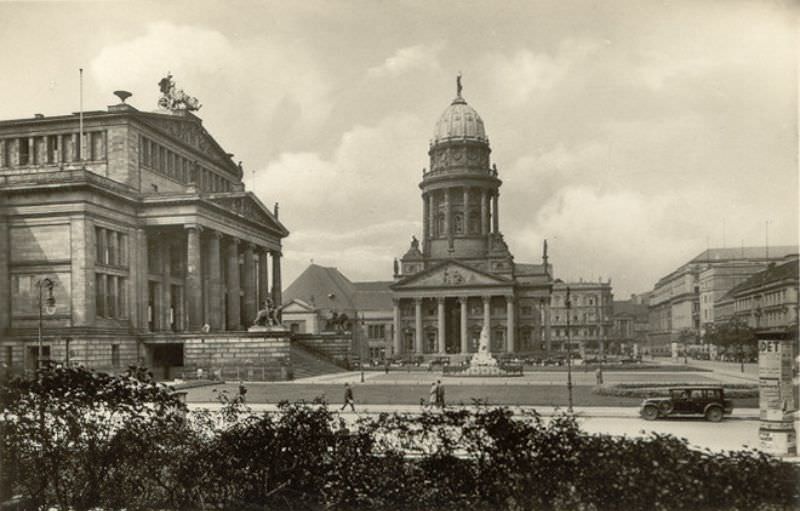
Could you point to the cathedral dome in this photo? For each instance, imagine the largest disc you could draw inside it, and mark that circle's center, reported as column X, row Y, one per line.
column 458, row 122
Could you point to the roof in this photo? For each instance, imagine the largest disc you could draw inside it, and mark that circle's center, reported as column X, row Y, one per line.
column 328, row 288
column 775, row 273
column 529, row 269
column 729, row 254
column 629, row 308
column 459, row 121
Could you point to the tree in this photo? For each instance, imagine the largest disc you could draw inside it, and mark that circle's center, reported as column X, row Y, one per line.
column 734, row 335
column 61, row 428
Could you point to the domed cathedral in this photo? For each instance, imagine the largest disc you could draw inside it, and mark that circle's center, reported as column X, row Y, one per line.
column 462, row 275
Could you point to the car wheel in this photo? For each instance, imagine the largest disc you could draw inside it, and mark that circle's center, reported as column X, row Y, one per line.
column 665, row 407
column 650, row 413
column 714, row 414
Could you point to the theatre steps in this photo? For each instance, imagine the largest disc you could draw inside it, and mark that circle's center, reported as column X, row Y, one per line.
column 306, row 364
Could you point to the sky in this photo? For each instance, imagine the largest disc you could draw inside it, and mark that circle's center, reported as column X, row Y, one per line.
column 632, row 135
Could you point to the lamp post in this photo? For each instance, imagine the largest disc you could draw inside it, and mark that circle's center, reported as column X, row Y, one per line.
column 568, row 304
column 51, row 309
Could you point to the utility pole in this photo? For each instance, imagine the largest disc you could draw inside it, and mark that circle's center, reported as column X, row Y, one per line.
column 51, row 304
column 568, row 303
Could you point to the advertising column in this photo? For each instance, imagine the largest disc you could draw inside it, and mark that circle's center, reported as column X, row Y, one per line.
column 776, row 398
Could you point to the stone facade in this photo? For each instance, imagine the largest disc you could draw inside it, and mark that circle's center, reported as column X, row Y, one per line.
column 462, row 275
column 144, row 228
column 675, row 314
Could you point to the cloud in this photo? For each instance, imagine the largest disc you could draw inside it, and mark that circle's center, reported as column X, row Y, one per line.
column 518, row 76
column 256, row 75
column 410, row 58
column 622, row 234
column 358, row 206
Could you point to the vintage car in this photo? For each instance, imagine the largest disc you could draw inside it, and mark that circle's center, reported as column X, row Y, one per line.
column 708, row 402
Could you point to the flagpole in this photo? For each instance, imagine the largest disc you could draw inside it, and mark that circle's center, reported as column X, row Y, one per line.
column 80, row 118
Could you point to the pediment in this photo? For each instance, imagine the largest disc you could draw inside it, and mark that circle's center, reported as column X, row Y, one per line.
column 451, row 274
column 298, row 306
column 245, row 205
column 191, row 133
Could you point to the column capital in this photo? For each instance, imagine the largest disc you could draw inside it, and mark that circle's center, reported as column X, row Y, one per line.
column 216, row 234
column 486, row 299
column 510, row 298
column 440, row 300
column 395, row 302
column 198, row 227
column 463, row 299
column 418, row 300
column 235, row 241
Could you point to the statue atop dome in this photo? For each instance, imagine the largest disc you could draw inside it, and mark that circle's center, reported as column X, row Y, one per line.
column 459, row 87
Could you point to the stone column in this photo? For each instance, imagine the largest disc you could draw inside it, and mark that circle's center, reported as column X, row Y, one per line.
column 166, row 287
column 76, row 147
column 418, row 325
column 276, row 278
column 82, row 284
column 432, row 217
column 441, row 323
column 466, row 211
column 487, row 317
column 511, row 324
column 448, row 217
column 140, row 268
column 397, row 337
column 249, row 299
column 234, row 298
column 60, row 150
column 263, row 278
column 484, row 212
column 495, row 211
column 464, row 311
column 193, row 284
column 31, row 151
column 216, row 315
column 546, row 326
column 426, row 228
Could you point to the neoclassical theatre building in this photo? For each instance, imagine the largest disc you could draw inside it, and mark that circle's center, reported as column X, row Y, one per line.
column 136, row 235
column 461, row 275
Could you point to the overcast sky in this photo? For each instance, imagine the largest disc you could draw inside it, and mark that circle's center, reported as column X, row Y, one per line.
column 631, row 135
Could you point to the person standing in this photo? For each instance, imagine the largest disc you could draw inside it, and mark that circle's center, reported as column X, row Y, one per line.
column 433, row 396
column 440, row 394
column 242, row 391
column 348, row 397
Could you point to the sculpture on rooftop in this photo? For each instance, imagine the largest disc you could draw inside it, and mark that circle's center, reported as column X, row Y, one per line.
column 175, row 99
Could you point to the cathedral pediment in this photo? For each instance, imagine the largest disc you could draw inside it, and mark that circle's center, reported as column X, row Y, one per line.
column 451, row 274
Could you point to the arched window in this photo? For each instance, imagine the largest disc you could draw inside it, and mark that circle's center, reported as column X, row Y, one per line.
column 474, row 224
column 458, row 225
column 440, row 227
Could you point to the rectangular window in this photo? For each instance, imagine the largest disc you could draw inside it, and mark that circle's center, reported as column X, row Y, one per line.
column 111, row 294
column 115, row 355
column 122, row 297
column 24, row 151
column 100, row 296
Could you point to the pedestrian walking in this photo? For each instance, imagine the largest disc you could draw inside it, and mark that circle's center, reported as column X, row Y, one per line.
column 348, row 397
column 242, row 391
column 440, row 394
column 433, row 398
column 599, row 376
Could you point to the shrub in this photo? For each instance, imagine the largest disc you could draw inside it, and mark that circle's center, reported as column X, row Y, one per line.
column 65, row 435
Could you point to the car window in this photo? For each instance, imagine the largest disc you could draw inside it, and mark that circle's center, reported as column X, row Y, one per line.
column 698, row 394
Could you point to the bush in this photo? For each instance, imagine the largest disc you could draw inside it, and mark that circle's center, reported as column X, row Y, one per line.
column 307, row 457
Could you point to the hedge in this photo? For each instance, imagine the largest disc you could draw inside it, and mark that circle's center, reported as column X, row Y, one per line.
column 84, row 441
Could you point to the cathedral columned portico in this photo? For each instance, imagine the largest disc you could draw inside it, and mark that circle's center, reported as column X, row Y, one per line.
column 462, row 276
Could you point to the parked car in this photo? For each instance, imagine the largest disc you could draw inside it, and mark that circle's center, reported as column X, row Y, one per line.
column 708, row 402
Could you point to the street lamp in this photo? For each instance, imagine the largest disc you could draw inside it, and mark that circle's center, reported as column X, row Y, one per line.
column 568, row 304
column 51, row 309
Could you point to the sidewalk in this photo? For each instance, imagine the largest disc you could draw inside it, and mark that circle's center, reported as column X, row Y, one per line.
column 545, row 411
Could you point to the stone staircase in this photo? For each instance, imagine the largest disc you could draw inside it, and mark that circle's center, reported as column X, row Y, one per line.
column 306, row 364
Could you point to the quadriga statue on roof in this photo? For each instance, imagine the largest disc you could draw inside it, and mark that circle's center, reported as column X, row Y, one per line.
column 175, row 99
